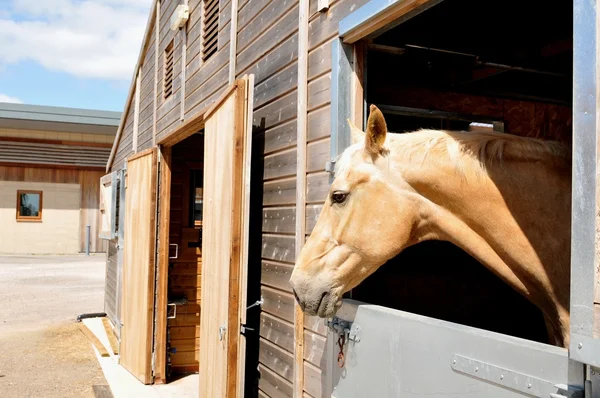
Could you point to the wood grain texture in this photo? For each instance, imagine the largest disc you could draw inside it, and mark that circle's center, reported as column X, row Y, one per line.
column 281, row 164
column 275, row 59
column 279, row 192
column 138, row 267
column 278, row 303
column 225, row 190
column 317, row 187
column 276, row 85
column 277, row 331
column 279, row 220
column 317, row 154
column 314, row 380
column 162, row 277
column 216, row 246
column 278, row 248
column 277, row 359
column 301, row 168
column 273, row 385
column 112, row 339
column 280, row 137
column 276, row 33
column 94, row 340
column 319, row 122
column 314, row 348
column 312, row 215
column 276, row 275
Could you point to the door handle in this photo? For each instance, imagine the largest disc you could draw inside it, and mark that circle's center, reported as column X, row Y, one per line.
column 176, row 249
column 222, row 330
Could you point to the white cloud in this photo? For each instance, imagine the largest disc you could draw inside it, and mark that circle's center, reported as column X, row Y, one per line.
column 88, row 39
column 13, row 100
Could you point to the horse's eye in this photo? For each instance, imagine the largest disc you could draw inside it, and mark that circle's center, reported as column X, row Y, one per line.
column 338, row 197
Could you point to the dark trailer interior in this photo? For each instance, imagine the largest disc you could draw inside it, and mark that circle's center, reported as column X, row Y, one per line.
column 464, row 65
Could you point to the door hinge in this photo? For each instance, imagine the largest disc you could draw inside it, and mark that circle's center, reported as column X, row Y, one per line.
column 330, row 166
column 244, row 328
column 514, row 380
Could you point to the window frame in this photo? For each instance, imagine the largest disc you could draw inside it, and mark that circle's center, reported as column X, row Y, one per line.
column 21, row 218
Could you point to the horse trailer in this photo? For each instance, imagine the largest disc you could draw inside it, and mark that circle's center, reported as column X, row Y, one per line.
column 237, row 116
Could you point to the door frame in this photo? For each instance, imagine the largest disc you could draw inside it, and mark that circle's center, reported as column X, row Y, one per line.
column 191, row 126
column 347, row 101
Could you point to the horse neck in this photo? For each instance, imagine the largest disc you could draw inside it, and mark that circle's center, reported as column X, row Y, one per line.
column 500, row 217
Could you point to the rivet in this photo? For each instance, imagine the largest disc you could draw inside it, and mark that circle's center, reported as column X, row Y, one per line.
column 529, row 385
column 454, row 362
column 580, row 346
column 476, row 369
column 501, row 377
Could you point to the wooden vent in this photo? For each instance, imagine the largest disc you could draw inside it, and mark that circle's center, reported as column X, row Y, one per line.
column 210, row 30
column 168, row 80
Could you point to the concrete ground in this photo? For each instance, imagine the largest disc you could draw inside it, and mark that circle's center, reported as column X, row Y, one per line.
column 42, row 351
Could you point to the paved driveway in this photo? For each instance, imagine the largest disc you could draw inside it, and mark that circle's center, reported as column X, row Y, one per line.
column 42, row 351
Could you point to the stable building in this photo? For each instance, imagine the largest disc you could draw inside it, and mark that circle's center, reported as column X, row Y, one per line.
column 51, row 161
column 236, row 114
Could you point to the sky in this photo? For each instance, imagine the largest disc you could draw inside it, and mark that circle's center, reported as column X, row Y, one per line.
column 71, row 53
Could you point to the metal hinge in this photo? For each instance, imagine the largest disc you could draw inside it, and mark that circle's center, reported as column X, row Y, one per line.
column 244, row 328
column 514, row 380
column 330, row 166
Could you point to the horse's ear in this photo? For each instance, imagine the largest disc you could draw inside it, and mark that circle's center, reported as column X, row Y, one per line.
column 357, row 134
column 376, row 131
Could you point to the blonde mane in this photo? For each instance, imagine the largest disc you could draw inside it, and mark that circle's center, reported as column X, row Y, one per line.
column 486, row 148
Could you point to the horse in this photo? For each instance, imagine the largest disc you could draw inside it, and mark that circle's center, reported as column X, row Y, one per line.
column 503, row 199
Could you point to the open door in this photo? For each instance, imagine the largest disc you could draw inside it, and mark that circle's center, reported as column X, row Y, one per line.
column 137, row 305
column 225, row 241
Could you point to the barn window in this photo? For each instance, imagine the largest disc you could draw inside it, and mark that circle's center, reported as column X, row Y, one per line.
column 168, row 68
column 29, row 205
column 210, row 29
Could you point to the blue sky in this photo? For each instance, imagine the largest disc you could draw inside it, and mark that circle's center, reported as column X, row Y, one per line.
column 73, row 53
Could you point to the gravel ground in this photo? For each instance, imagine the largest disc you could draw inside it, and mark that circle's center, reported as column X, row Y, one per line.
column 42, row 352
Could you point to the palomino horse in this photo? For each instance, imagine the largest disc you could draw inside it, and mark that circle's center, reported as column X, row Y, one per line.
column 503, row 199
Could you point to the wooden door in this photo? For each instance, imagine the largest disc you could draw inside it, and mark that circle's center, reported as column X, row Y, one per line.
column 137, row 304
column 224, row 242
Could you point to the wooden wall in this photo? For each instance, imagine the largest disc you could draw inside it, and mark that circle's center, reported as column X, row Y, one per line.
column 89, row 182
column 267, row 46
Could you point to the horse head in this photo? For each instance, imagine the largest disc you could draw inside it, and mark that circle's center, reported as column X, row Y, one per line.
column 367, row 218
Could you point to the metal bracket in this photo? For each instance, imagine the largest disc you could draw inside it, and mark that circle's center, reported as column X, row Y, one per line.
column 174, row 311
column 244, row 328
column 330, row 166
column 176, row 249
column 257, row 303
column 514, row 380
column 352, row 331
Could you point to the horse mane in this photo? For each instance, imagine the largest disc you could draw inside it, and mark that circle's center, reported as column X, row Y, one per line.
column 485, row 147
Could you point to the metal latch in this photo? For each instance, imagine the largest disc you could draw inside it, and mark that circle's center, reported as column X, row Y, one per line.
column 222, row 330
column 514, row 380
column 351, row 330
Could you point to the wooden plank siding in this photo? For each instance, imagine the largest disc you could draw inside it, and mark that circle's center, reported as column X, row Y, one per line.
column 267, row 40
